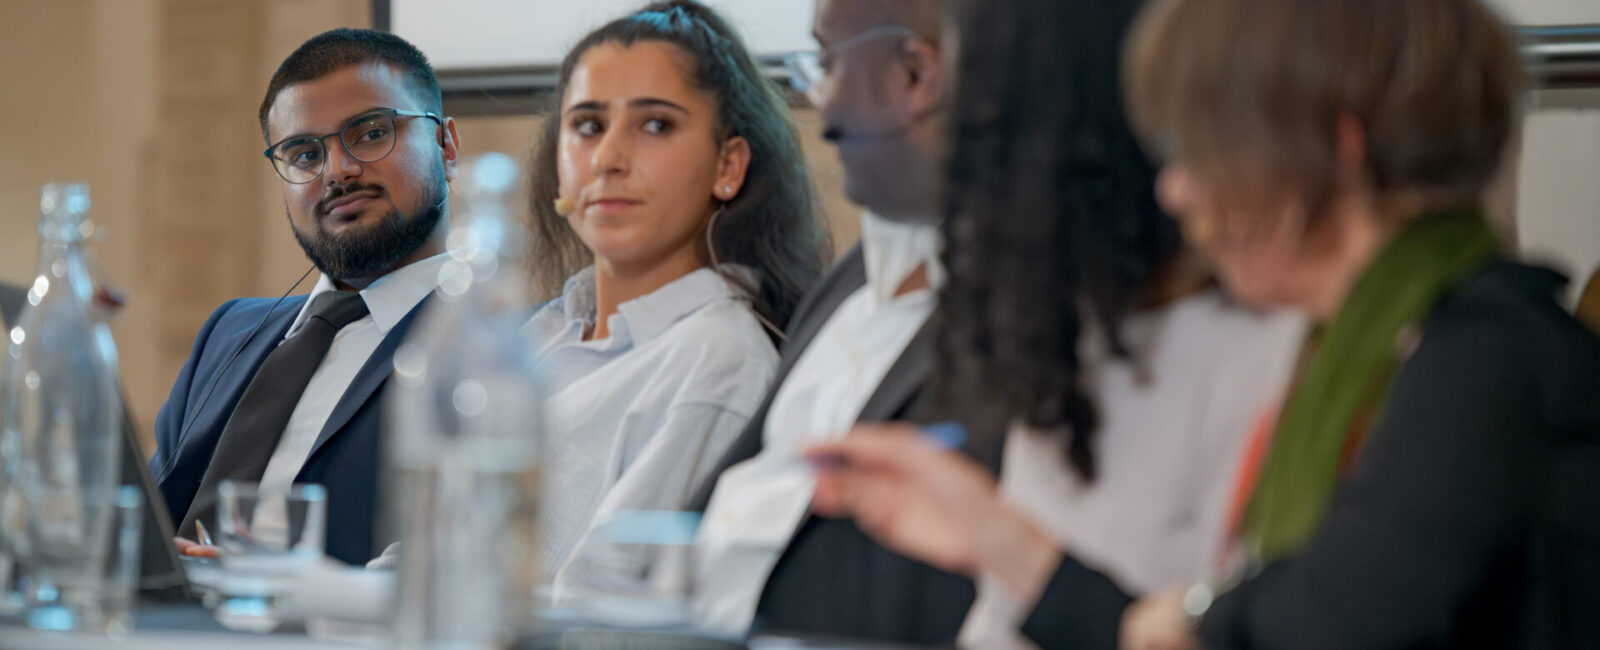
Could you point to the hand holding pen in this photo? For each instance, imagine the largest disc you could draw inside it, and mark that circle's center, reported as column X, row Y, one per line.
column 912, row 490
column 201, row 546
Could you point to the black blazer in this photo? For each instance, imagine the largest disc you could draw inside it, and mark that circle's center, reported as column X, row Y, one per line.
column 345, row 458
column 1472, row 519
column 833, row 580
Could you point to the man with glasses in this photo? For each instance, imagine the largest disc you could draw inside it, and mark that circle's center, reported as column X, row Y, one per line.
column 279, row 394
column 857, row 350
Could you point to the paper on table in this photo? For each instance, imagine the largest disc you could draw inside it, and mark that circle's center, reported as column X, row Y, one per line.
column 331, row 590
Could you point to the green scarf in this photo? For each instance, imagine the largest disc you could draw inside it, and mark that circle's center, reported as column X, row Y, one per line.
column 1348, row 375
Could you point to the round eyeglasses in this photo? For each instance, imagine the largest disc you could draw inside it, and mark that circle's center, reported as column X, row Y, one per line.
column 299, row 159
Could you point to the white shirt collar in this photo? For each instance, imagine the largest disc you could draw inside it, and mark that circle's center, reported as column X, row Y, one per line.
column 894, row 249
column 388, row 298
column 649, row 315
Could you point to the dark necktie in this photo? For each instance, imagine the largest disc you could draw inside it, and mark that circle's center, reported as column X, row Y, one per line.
column 258, row 421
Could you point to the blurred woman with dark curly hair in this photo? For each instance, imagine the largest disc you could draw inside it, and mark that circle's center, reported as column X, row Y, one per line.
column 1074, row 320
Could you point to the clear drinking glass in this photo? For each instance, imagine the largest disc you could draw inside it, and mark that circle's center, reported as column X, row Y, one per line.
column 120, row 585
column 637, row 571
column 268, row 538
column 108, row 607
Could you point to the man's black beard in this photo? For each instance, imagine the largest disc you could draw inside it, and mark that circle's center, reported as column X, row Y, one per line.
column 369, row 252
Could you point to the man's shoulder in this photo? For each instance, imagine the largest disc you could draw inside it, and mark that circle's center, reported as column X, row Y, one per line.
column 246, row 312
column 845, row 276
column 848, row 271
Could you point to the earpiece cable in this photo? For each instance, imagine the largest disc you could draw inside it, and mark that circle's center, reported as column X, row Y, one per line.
column 183, row 435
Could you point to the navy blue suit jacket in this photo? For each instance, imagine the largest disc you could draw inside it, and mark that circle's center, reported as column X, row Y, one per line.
column 345, row 458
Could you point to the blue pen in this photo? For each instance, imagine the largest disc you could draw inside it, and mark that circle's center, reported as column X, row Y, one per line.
column 949, row 434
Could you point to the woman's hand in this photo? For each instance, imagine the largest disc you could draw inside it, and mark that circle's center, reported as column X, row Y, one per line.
column 920, row 499
column 1158, row 622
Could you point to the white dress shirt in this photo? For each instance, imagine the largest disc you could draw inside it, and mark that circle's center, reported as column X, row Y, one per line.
column 388, row 299
column 1171, row 438
column 637, row 420
column 758, row 504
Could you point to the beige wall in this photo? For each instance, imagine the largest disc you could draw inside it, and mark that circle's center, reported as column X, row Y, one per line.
column 77, row 104
column 1558, row 175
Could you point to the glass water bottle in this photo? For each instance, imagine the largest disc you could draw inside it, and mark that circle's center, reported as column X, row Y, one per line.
column 462, row 435
column 61, row 413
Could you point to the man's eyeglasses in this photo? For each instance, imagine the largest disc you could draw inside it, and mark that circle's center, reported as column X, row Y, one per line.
column 300, row 159
column 807, row 69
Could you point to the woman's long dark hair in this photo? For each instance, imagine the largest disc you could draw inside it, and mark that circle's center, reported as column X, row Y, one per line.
column 771, row 226
column 1050, row 214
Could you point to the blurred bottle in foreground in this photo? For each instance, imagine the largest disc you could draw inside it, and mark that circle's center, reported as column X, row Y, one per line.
column 59, row 444
column 462, row 431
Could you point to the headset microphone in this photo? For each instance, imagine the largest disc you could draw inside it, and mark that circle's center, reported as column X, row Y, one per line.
column 565, row 204
column 838, row 135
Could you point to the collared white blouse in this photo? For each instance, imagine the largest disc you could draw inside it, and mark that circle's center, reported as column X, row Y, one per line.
column 638, row 420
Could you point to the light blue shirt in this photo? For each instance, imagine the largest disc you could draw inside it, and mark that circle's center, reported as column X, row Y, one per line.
column 638, row 420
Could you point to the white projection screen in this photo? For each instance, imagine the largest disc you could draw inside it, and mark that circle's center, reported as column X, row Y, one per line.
column 462, row 35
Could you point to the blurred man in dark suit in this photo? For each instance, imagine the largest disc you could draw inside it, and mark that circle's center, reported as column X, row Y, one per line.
column 857, row 349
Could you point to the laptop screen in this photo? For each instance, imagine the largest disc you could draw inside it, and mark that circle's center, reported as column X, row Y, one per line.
column 11, row 300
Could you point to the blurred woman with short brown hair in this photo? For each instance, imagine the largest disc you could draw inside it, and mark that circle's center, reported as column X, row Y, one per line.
column 1333, row 156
